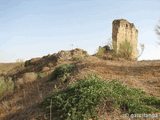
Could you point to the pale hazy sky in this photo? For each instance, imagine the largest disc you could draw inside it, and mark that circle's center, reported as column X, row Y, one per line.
column 34, row 28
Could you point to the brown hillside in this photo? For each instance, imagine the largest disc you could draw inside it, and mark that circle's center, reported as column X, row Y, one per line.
column 21, row 104
column 8, row 66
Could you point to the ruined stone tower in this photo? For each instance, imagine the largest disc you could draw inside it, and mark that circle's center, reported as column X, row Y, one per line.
column 123, row 30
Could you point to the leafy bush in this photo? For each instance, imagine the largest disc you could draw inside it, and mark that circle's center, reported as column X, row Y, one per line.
column 62, row 72
column 125, row 50
column 41, row 75
column 6, row 86
column 77, row 58
column 84, row 99
column 101, row 51
column 26, row 63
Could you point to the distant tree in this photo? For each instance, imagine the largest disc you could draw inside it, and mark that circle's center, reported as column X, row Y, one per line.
column 157, row 30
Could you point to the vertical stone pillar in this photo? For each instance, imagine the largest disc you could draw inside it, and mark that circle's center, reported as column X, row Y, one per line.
column 123, row 30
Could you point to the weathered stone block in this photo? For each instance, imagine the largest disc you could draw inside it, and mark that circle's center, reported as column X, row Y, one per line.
column 123, row 30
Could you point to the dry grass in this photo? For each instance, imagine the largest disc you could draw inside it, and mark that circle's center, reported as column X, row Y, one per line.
column 9, row 66
column 21, row 104
column 132, row 73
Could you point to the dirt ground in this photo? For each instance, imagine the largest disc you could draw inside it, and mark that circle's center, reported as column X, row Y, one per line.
column 22, row 104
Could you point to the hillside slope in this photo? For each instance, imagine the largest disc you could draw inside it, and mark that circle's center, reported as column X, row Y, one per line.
column 21, row 104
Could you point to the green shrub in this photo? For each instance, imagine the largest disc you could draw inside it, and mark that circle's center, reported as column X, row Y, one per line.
column 26, row 63
column 41, row 75
column 101, row 51
column 62, row 72
column 86, row 56
column 85, row 98
column 124, row 51
column 77, row 58
column 6, row 86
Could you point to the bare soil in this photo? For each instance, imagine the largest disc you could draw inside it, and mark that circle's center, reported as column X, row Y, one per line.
column 21, row 104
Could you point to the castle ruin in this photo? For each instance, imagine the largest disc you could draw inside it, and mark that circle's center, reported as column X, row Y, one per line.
column 123, row 30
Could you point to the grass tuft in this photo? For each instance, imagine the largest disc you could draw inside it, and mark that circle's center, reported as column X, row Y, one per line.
column 41, row 75
column 125, row 50
column 6, row 86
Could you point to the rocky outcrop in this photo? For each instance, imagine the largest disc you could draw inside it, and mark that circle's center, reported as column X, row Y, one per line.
column 68, row 55
column 45, row 64
column 51, row 60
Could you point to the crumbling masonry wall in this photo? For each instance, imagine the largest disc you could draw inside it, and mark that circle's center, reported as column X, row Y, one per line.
column 123, row 30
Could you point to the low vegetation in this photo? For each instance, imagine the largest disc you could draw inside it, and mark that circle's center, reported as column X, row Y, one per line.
column 80, row 99
column 41, row 75
column 87, row 98
column 6, row 86
column 101, row 51
column 62, row 72
column 125, row 50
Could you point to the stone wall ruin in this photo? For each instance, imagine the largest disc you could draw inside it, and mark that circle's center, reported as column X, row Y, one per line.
column 123, row 30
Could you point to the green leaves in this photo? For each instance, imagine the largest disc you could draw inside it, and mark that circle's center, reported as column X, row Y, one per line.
column 62, row 72
column 125, row 50
column 85, row 98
